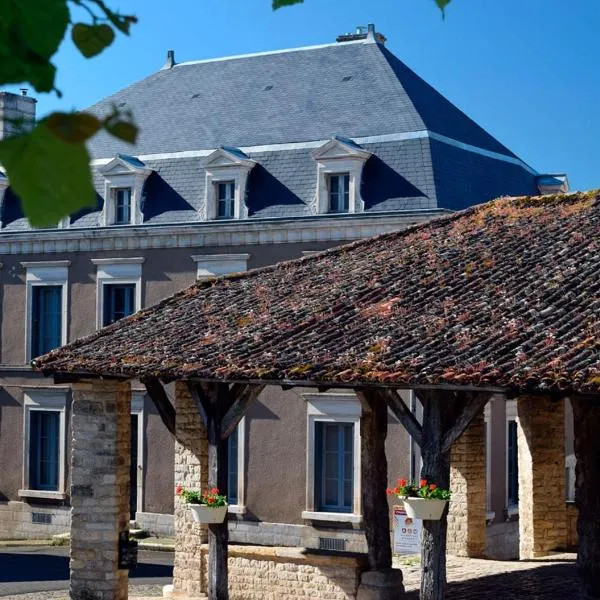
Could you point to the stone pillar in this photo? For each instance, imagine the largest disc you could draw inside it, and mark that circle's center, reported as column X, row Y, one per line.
column 191, row 471
column 466, row 516
column 541, row 449
column 100, row 457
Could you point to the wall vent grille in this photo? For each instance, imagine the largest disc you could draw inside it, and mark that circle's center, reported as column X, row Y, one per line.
column 332, row 544
column 41, row 518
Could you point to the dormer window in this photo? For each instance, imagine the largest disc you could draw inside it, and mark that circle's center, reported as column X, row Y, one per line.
column 339, row 193
column 227, row 171
column 122, row 206
column 225, row 199
column 124, row 178
column 340, row 164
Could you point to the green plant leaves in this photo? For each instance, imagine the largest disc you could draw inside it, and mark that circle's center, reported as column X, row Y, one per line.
column 281, row 3
column 442, row 4
column 92, row 39
column 73, row 127
column 51, row 176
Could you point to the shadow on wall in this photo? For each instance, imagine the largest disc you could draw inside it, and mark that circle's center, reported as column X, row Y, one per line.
column 159, row 197
column 381, row 184
column 265, row 190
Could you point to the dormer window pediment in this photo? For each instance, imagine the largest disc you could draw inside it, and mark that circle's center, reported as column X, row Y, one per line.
column 340, row 163
column 124, row 178
column 226, row 177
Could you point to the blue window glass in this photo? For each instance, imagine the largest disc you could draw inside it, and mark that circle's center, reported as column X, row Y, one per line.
column 46, row 318
column 232, row 468
column 122, row 206
column 334, row 472
column 225, row 200
column 513, row 465
column 44, row 449
column 119, row 301
column 339, row 193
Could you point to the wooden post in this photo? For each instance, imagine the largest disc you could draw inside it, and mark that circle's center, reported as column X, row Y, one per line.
column 586, row 418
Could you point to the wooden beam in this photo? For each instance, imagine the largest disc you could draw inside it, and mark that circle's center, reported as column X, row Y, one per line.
column 403, row 414
column 239, row 408
column 198, row 392
column 376, row 520
column 472, row 405
column 161, row 401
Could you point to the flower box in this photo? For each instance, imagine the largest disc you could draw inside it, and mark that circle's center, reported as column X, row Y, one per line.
column 427, row 509
column 208, row 514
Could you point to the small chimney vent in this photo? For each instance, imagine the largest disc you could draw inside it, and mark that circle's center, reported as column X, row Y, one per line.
column 362, row 32
column 170, row 60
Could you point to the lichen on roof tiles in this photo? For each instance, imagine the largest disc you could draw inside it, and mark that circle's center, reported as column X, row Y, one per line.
column 505, row 294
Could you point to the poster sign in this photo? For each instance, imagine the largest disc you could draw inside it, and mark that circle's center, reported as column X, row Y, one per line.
column 407, row 532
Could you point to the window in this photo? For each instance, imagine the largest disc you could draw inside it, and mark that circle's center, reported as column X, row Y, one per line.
column 211, row 265
column 122, row 206
column 118, row 288
column 232, row 468
column 339, row 193
column 225, row 200
column 333, row 458
column 513, row 464
column 118, row 302
column 46, row 318
column 46, row 299
column 334, row 466
column 236, row 494
column 44, row 443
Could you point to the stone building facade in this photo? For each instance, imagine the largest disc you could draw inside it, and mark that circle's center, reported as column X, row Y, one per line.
column 237, row 181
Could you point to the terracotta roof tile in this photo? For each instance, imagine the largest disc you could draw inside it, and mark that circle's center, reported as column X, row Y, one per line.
column 505, row 294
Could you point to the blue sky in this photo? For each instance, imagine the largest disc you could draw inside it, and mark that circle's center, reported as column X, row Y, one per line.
column 526, row 70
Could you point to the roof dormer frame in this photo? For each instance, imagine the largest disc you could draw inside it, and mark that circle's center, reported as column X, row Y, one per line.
column 337, row 156
column 226, row 165
column 124, row 172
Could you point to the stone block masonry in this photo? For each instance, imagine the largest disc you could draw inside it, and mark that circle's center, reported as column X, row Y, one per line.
column 191, row 471
column 466, row 516
column 541, row 451
column 100, row 460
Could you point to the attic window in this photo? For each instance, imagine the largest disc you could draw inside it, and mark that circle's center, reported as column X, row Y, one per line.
column 122, row 206
column 225, row 199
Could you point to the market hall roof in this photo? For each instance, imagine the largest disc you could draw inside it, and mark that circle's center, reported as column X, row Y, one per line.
column 504, row 295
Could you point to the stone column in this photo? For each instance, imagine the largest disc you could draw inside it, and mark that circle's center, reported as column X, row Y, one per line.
column 541, row 449
column 191, row 471
column 100, row 457
column 466, row 516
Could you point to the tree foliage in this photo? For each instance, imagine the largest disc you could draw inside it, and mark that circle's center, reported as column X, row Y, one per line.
column 48, row 166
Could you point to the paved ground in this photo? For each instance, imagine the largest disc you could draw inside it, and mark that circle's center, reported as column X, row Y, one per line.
column 32, row 570
column 553, row 578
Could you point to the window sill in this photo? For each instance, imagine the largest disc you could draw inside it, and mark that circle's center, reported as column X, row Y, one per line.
column 236, row 509
column 331, row 516
column 45, row 494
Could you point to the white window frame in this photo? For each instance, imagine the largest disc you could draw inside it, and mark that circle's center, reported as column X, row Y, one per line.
column 137, row 408
column 123, row 172
column 240, row 507
column 117, row 271
column 339, row 175
column 336, row 157
column 52, row 399
column 213, row 265
column 332, row 408
column 226, row 166
column 511, row 414
column 46, row 273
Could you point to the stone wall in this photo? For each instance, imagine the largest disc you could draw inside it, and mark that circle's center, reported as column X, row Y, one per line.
column 572, row 516
column 503, row 540
column 191, row 471
column 541, row 447
column 259, row 573
column 467, row 514
column 21, row 520
column 161, row 525
column 101, row 453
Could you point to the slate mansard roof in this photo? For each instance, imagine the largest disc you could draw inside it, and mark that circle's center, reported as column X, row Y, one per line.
column 503, row 295
column 278, row 107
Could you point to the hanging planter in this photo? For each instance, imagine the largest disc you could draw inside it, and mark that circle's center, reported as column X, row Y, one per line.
column 427, row 509
column 425, row 501
column 207, row 507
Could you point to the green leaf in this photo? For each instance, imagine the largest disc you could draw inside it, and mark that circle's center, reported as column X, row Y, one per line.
column 92, row 39
column 121, row 22
column 73, row 127
column 281, row 3
column 124, row 130
column 442, row 4
column 52, row 177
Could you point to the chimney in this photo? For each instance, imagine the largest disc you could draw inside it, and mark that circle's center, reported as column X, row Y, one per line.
column 362, row 32
column 170, row 60
column 17, row 113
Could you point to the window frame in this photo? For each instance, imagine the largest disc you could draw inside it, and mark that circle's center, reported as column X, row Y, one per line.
column 341, row 176
column 213, row 265
column 229, row 201
column 115, row 191
column 117, row 271
column 45, row 273
column 45, row 400
column 332, row 408
column 511, row 415
column 239, row 508
column 138, row 398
